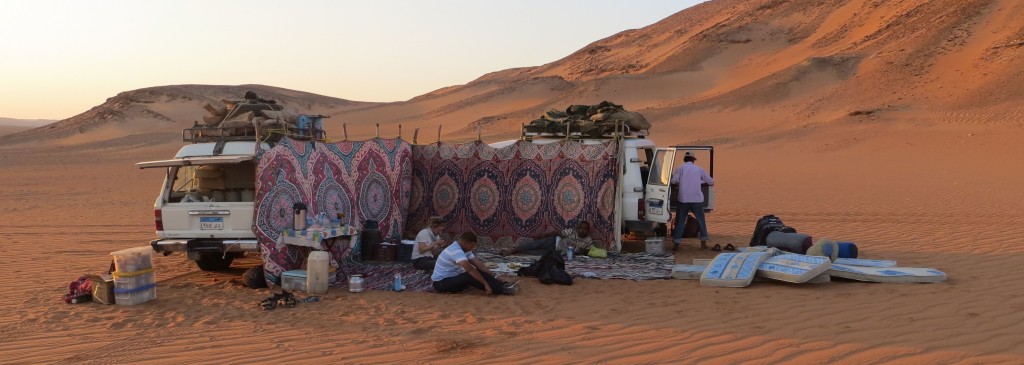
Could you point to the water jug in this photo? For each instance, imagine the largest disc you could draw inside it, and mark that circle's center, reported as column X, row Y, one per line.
column 398, row 282
column 355, row 283
column 317, row 269
column 300, row 216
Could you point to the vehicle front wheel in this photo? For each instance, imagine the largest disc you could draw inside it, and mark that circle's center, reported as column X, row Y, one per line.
column 214, row 262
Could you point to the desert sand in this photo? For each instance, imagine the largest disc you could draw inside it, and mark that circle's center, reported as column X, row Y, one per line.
column 927, row 173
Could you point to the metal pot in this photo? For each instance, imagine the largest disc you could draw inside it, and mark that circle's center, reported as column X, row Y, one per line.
column 355, row 283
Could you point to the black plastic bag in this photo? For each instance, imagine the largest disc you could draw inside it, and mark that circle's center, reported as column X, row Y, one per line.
column 550, row 269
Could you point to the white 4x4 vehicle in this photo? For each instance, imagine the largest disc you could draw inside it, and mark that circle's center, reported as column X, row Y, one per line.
column 205, row 206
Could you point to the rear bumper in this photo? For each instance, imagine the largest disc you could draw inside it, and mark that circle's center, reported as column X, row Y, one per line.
column 225, row 245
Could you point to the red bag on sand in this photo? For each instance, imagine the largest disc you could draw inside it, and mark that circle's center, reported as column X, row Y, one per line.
column 79, row 290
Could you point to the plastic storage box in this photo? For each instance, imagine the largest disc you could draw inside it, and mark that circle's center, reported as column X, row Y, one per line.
column 133, row 259
column 655, row 245
column 293, row 280
column 135, row 296
column 134, row 279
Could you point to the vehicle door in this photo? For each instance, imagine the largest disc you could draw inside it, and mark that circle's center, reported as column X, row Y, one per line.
column 657, row 193
column 706, row 159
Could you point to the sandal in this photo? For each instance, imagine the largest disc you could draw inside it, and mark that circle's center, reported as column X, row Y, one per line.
column 288, row 300
column 270, row 303
column 717, row 248
column 730, row 247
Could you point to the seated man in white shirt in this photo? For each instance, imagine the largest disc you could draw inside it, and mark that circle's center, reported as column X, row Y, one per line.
column 458, row 268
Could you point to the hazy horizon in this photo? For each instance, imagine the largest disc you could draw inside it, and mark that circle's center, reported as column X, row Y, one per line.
column 65, row 57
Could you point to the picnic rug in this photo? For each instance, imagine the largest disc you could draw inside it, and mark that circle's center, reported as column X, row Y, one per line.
column 628, row 266
column 366, row 180
column 638, row 266
column 508, row 194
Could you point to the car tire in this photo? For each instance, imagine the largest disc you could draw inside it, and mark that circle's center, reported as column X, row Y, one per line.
column 214, row 262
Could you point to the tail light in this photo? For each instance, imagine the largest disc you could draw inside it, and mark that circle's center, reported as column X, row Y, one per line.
column 159, row 217
column 641, row 209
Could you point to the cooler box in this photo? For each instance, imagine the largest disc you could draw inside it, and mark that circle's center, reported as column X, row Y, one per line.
column 293, row 280
column 655, row 245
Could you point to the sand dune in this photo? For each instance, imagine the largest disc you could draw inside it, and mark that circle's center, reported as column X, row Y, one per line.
column 895, row 125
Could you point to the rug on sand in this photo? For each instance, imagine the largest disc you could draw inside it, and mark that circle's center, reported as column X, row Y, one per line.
column 509, row 193
column 629, row 266
column 380, row 275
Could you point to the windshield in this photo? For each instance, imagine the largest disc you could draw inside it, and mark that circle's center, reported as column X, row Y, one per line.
column 213, row 183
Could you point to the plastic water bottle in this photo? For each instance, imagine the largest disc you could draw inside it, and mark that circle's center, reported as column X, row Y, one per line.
column 398, row 282
column 568, row 253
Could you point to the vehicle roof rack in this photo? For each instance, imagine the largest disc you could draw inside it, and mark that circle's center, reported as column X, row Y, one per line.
column 621, row 130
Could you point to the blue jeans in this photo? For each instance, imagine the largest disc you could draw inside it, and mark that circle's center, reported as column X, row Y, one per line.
column 537, row 247
column 682, row 209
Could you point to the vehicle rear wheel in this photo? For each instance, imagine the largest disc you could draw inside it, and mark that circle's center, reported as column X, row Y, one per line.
column 214, row 262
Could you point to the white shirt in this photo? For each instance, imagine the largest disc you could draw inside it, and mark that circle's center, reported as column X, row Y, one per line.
column 425, row 236
column 689, row 177
column 448, row 262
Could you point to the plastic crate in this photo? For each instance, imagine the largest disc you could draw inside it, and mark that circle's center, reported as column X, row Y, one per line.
column 655, row 245
column 135, row 296
column 133, row 259
column 293, row 280
column 135, row 281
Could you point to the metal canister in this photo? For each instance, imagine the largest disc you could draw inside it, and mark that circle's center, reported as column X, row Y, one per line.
column 355, row 283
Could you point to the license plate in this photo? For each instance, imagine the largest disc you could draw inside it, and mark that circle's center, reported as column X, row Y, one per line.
column 655, row 210
column 211, row 223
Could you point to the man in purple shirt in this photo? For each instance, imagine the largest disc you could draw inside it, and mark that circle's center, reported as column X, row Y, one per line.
column 689, row 178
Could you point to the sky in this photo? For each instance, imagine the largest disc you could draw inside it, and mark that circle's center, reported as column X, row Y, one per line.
column 60, row 58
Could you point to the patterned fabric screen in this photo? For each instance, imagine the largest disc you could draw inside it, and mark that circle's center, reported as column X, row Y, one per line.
column 515, row 192
column 366, row 180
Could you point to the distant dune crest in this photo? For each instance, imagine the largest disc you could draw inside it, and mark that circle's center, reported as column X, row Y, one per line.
column 790, row 63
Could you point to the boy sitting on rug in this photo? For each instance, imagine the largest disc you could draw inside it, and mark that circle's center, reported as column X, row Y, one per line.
column 578, row 238
column 458, row 268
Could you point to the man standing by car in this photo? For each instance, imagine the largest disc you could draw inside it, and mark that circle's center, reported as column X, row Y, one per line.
column 689, row 178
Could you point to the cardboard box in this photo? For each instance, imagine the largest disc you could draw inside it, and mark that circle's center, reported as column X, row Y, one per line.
column 103, row 289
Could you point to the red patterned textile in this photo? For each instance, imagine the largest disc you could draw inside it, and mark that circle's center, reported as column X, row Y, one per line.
column 366, row 180
column 510, row 193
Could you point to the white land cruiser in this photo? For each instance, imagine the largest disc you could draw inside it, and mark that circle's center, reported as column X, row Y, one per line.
column 645, row 192
column 205, row 206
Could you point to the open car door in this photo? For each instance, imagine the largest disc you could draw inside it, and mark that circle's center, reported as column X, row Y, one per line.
column 706, row 158
column 190, row 161
column 658, row 191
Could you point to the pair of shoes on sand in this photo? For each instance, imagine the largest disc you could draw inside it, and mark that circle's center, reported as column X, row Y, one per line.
column 510, row 288
column 283, row 299
column 718, row 247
